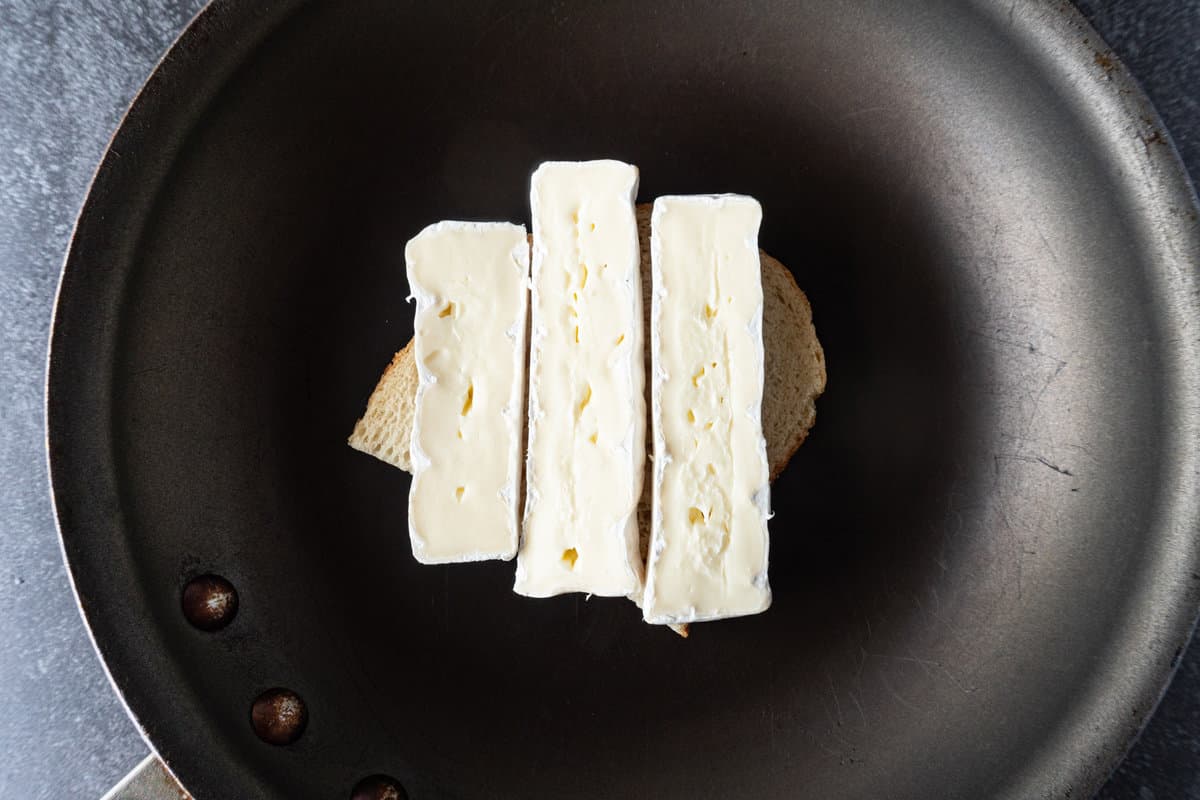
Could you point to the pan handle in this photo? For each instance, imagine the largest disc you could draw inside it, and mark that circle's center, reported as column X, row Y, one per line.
column 149, row 780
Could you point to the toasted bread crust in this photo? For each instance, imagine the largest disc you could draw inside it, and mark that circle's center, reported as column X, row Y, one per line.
column 386, row 426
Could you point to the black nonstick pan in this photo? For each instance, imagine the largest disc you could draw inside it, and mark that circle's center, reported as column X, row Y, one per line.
column 985, row 558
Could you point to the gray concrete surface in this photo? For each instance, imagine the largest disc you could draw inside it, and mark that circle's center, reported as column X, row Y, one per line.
column 68, row 69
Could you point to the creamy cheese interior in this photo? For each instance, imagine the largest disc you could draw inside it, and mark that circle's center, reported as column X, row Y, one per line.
column 586, row 380
column 470, row 282
column 709, row 542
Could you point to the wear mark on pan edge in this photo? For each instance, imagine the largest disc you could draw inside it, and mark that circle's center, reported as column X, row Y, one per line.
column 1037, row 401
column 892, row 691
column 1046, row 242
column 837, row 704
column 932, row 669
column 858, row 705
column 998, row 457
column 824, row 747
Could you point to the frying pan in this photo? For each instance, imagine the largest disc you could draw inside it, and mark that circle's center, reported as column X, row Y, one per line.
column 984, row 559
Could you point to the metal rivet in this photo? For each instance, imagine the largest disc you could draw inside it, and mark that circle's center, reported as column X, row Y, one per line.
column 209, row 602
column 378, row 787
column 279, row 716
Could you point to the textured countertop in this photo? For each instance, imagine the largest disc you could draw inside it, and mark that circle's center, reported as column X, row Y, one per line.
column 68, row 69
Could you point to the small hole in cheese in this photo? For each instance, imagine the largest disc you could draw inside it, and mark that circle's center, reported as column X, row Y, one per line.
column 583, row 403
column 695, row 516
column 583, row 280
column 470, row 399
column 592, row 227
column 696, row 378
column 570, row 555
column 620, row 338
column 576, row 334
column 712, row 470
column 593, row 437
column 458, row 493
column 709, row 311
column 708, row 426
column 460, row 434
column 447, row 311
column 691, row 415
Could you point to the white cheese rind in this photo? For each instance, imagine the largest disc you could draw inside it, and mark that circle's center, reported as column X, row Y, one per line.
column 586, row 451
column 471, row 285
column 711, row 486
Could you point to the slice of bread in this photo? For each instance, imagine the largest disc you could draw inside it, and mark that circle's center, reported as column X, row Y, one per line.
column 794, row 378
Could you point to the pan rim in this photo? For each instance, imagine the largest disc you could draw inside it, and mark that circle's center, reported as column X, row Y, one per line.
column 178, row 59
column 1075, row 768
